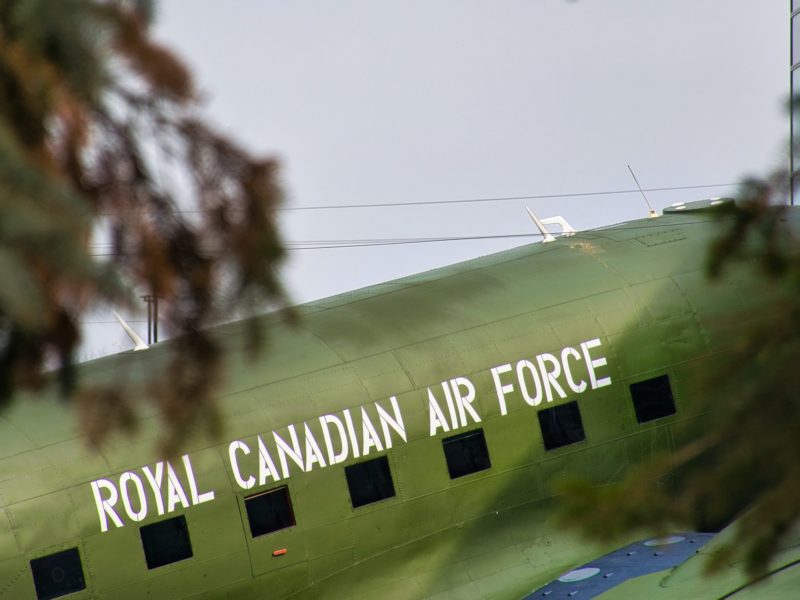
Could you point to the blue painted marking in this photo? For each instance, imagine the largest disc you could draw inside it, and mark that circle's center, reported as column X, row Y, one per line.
column 637, row 559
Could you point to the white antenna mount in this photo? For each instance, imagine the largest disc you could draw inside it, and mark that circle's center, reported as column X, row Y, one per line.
column 566, row 228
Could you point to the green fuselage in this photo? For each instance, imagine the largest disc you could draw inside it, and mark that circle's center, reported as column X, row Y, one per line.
column 396, row 370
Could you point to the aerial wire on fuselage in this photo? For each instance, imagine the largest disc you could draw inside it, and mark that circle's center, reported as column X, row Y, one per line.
column 360, row 243
column 369, row 243
column 479, row 200
column 508, row 198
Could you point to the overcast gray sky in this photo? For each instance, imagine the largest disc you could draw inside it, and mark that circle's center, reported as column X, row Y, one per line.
column 373, row 101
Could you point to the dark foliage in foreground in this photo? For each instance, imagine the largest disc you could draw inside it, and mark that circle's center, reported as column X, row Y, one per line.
column 746, row 464
column 99, row 128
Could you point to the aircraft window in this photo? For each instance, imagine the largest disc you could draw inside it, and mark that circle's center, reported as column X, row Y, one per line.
column 269, row 511
column 369, row 481
column 561, row 425
column 466, row 453
column 652, row 399
column 166, row 542
column 58, row 574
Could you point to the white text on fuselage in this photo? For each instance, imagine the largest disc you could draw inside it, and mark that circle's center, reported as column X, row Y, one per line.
column 356, row 433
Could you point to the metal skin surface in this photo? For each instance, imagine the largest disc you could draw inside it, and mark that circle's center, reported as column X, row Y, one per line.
column 638, row 287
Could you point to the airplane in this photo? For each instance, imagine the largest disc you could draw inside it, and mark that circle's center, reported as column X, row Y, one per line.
column 403, row 440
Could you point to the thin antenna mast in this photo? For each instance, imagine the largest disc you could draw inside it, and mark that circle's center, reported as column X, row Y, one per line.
column 137, row 341
column 546, row 235
column 653, row 213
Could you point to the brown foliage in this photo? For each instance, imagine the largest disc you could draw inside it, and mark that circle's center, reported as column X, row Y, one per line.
column 92, row 113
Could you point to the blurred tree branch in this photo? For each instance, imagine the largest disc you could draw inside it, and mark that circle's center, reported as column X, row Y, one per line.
column 93, row 112
column 745, row 462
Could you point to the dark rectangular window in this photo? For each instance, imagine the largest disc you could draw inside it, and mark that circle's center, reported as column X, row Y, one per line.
column 466, row 453
column 269, row 511
column 166, row 542
column 561, row 425
column 58, row 574
column 369, row 481
column 652, row 399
